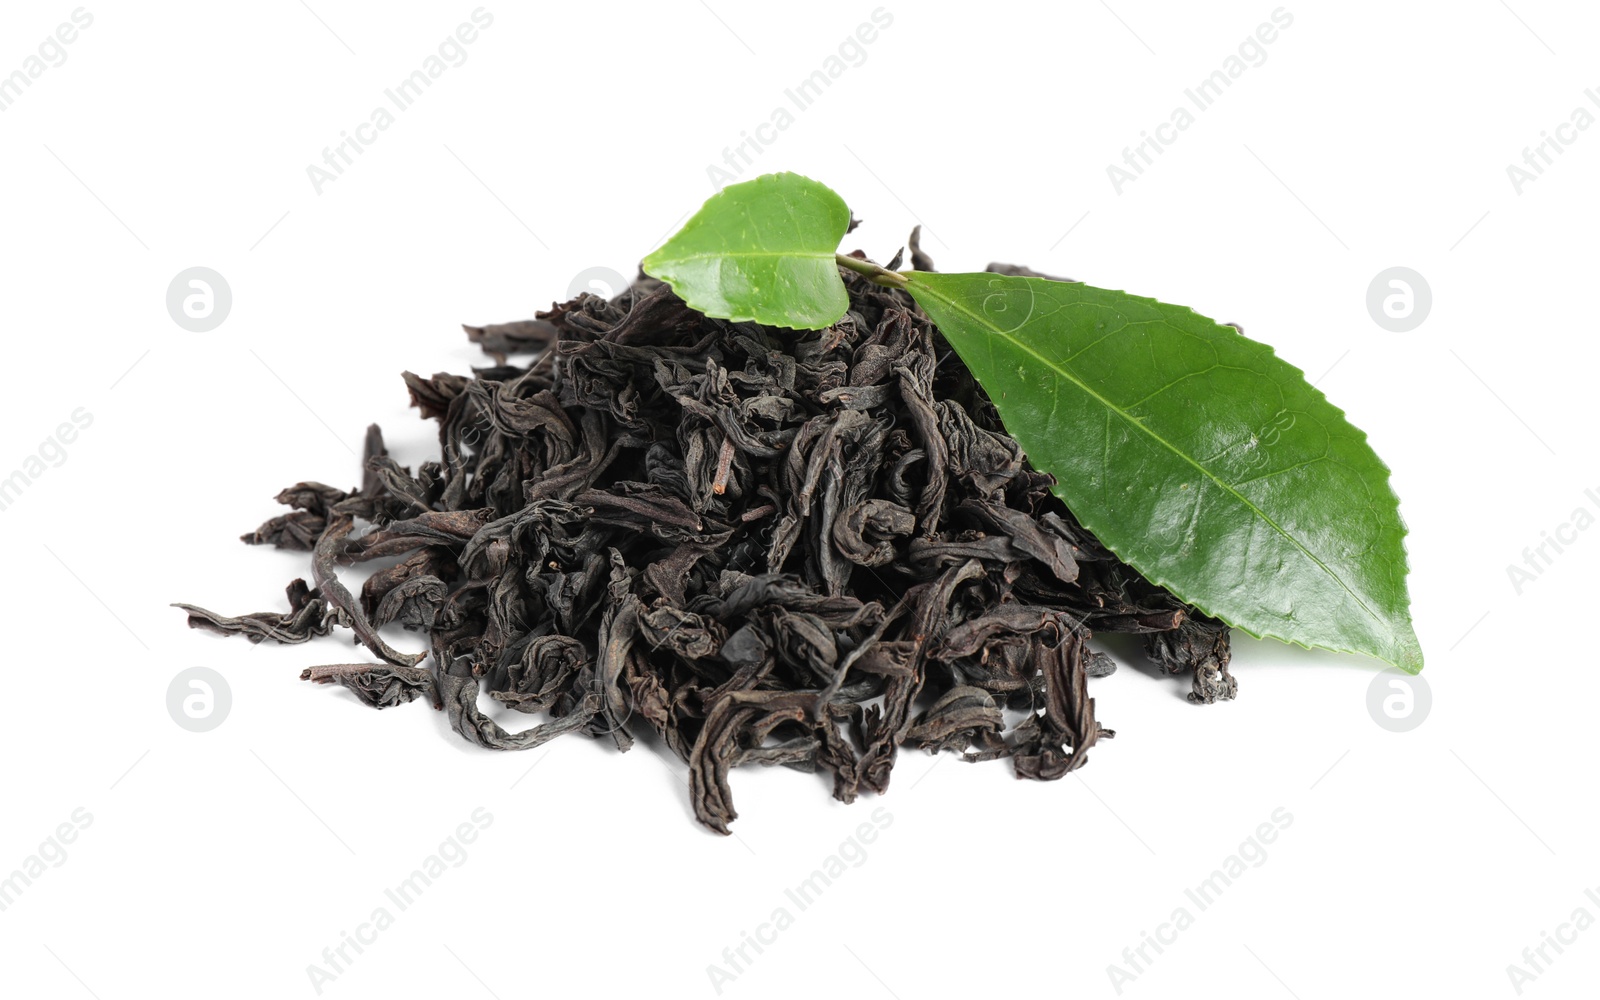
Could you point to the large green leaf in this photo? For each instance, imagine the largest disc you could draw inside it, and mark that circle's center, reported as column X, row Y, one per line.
column 761, row 251
column 1195, row 453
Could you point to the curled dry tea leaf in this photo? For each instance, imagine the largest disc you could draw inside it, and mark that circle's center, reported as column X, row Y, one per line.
column 761, row 251
column 1194, row 453
column 880, row 571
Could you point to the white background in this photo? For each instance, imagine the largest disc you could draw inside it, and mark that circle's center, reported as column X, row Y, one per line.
column 579, row 135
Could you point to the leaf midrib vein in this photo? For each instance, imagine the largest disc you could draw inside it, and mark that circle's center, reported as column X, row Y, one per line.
column 725, row 254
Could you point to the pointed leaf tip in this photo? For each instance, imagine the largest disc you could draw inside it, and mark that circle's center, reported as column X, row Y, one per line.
column 1197, row 455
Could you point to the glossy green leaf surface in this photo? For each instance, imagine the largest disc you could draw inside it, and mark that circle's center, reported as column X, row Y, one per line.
column 761, row 251
column 1196, row 454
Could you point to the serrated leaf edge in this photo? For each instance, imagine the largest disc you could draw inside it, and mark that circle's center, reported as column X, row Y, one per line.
column 1401, row 662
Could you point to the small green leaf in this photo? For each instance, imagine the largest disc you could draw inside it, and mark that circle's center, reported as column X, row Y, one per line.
column 1196, row 454
column 761, row 251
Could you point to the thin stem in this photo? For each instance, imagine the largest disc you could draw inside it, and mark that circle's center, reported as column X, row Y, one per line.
column 719, row 485
column 876, row 274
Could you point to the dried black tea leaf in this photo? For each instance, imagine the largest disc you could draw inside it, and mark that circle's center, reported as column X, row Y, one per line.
column 761, row 546
column 378, row 685
column 1200, row 645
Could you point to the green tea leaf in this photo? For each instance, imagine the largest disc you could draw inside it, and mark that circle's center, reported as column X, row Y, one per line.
column 1201, row 458
column 761, row 251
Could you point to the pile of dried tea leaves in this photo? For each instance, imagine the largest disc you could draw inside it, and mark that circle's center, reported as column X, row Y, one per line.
column 765, row 546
